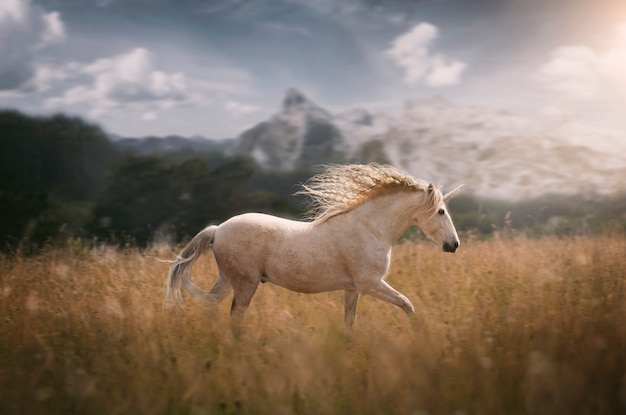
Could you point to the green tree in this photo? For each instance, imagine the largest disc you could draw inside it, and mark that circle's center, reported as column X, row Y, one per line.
column 146, row 196
column 49, row 168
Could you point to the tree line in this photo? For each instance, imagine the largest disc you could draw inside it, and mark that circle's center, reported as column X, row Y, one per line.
column 60, row 175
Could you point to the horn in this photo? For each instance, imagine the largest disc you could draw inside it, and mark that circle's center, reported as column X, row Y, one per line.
column 452, row 192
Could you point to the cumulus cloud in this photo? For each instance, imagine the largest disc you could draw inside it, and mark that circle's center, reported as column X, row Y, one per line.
column 126, row 80
column 24, row 30
column 579, row 72
column 48, row 75
column 412, row 52
column 571, row 70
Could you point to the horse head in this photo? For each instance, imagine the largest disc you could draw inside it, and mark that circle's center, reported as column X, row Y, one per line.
column 436, row 221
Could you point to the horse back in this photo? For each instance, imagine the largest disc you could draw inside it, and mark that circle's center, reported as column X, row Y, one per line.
column 252, row 237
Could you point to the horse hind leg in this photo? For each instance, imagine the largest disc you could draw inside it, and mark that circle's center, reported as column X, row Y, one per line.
column 216, row 295
column 220, row 290
column 242, row 296
column 350, row 302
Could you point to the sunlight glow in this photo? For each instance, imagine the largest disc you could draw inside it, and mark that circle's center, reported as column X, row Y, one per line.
column 621, row 30
column 613, row 60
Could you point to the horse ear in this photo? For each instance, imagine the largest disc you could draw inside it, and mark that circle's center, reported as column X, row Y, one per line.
column 431, row 188
column 452, row 192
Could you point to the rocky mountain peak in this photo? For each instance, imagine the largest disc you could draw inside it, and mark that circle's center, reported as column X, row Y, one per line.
column 301, row 134
column 296, row 101
column 296, row 104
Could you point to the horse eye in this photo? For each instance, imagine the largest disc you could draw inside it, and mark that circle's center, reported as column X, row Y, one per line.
column 441, row 211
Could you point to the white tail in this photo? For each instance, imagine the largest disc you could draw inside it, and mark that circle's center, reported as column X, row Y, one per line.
column 180, row 271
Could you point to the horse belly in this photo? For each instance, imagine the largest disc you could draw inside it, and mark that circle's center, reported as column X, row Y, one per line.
column 313, row 284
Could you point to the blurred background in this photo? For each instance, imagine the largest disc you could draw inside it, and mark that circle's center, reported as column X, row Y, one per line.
column 141, row 121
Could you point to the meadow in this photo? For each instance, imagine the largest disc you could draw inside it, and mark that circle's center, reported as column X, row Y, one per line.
column 510, row 325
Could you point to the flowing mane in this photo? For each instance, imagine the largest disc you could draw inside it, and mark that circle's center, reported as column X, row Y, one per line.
column 340, row 188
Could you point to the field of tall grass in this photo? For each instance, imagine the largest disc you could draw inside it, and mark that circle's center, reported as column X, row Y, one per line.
column 509, row 326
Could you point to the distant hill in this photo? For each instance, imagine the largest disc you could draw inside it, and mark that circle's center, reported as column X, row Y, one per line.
column 170, row 144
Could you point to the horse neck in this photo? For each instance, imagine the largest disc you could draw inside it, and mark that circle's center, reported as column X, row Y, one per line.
column 389, row 216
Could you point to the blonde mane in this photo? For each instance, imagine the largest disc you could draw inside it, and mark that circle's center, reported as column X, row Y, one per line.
column 340, row 188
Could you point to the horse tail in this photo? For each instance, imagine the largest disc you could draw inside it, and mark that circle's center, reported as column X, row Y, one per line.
column 180, row 271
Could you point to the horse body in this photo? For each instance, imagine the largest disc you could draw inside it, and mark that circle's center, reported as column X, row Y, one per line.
column 348, row 249
column 295, row 255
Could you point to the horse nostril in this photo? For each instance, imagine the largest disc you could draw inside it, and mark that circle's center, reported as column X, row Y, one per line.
column 450, row 246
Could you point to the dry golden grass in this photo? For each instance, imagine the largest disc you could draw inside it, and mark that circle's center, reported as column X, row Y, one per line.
column 513, row 326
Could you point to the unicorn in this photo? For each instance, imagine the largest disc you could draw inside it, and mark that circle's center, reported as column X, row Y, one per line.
column 356, row 215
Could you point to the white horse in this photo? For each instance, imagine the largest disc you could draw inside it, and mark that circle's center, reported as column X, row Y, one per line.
column 358, row 213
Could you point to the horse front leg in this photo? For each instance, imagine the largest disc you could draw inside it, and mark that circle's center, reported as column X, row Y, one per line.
column 381, row 290
column 350, row 302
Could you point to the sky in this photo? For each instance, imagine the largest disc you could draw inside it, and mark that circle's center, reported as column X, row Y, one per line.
column 214, row 68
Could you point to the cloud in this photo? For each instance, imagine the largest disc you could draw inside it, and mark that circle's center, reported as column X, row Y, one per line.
column 572, row 71
column 24, row 30
column 412, row 52
column 126, row 80
column 148, row 116
column 287, row 29
column 580, row 72
column 238, row 109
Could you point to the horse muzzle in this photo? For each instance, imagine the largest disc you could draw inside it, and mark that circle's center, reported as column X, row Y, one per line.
column 450, row 246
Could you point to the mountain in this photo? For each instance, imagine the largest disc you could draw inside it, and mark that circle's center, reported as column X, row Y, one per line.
column 301, row 134
column 496, row 153
column 502, row 155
